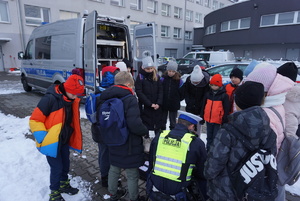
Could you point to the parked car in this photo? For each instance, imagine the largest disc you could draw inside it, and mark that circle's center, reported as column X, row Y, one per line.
column 164, row 60
column 225, row 69
column 212, row 57
column 185, row 66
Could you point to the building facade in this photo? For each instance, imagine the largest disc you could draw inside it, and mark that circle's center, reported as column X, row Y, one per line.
column 175, row 20
column 254, row 29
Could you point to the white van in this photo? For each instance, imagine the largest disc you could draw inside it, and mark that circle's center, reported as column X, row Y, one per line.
column 212, row 57
column 88, row 44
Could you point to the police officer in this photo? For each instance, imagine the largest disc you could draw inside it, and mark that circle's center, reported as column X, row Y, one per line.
column 176, row 159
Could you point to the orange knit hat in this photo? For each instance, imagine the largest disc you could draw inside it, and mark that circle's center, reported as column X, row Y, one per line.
column 74, row 85
column 216, row 80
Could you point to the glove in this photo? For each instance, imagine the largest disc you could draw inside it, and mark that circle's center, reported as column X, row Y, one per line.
column 202, row 122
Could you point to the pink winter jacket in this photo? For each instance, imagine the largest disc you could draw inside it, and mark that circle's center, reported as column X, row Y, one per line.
column 292, row 110
column 275, row 98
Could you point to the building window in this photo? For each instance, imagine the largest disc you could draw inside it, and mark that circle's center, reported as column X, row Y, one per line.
column 189, row 15
column 177, row 12
column 199, row 2
column 286, row 18
column 198, row 18
column 210, row 29
column 165, row 31
column 243, row 23
column 215, row 5
column 152, row 6
column 4, row 12
column 165, row 10
column 136, row 5
column 36, row 15
column 177, row 33
column 188, row 35
column 221, row 5
column 207, row 3
column 117, row 3
column 63, row 15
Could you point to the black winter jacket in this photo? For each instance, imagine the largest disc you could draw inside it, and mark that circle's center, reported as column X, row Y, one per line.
column 196, row 155
column 194, row 95
column 227, row 151
column 172, row 93
column 131, row 154
column 149, row 92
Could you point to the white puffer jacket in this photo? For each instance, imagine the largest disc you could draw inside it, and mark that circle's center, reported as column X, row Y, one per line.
column 292, row 110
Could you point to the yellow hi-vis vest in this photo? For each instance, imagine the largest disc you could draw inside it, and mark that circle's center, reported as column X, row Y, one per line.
column 170, row 155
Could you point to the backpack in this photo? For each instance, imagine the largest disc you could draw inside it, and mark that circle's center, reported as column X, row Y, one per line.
column 255, row 176
column 288, row 157
column 112, row 123
column 90, row 107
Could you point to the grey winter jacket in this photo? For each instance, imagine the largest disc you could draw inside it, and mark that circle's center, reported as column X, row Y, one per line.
column 227, row 151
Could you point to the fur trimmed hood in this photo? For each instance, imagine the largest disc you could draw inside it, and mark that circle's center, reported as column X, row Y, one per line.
column 294, row 94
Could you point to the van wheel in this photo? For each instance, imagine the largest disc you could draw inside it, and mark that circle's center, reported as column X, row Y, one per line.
column 26, row 87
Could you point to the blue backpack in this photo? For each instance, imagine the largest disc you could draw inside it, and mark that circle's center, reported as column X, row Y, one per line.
column 112, row 123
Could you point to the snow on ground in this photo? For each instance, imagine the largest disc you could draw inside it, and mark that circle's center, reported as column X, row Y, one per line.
column 24, row 172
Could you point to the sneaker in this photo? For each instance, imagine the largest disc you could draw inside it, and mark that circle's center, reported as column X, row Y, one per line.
column 56, row 196
column 120, row 194
column 65, row 187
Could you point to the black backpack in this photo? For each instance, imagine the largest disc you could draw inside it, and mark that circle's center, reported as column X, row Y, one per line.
column 255, row 177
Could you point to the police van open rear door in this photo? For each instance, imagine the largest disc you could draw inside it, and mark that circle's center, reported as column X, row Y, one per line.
column 143, row 44
column 90, row 51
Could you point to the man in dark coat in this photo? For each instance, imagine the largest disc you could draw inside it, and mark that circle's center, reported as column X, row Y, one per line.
column 165, row 150
column 129, row 156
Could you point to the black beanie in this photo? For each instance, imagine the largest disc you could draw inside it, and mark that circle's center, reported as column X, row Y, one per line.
column 249, row 94
column 236, row 72
column 289, row 70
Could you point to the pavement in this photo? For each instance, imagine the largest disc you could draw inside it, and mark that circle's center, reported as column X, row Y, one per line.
column 84, row 165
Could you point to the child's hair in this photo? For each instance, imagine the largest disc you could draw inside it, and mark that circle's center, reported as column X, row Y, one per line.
column 177, row 75
column 155, row 77
column 123, row 78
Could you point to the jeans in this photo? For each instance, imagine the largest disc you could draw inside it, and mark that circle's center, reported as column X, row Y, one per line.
column 59, row 167
column 132, row 175
column 212, row 130
column 103, row 159
column 172, row 118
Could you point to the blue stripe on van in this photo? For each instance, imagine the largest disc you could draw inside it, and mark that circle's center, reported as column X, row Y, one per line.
column 46, row 72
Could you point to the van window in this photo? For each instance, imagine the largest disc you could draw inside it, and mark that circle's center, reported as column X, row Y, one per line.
column 29, row 50
column 64, row 47
column 43, row 47
column 189, row 56
column 203, row 56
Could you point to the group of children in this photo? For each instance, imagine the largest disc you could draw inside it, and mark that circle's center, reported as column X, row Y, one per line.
column 55, row 122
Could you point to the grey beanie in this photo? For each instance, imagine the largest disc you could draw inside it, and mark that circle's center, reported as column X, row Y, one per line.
column 147, row 62
column 172, row 65
column 196, row 75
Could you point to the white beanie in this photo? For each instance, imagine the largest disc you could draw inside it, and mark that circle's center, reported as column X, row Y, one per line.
column 172, row 65
column 147, row 62
column 197, row 75
column 121, row 65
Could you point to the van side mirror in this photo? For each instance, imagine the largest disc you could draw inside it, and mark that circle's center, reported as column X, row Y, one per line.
column 20, row 55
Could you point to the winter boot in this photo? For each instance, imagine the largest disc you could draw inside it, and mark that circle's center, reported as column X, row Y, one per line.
column 120, row 194
column 56, row 196
column 65, row 187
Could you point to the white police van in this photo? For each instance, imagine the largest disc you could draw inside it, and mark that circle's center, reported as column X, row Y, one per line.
column 88, row 44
